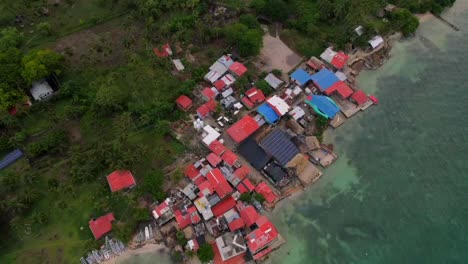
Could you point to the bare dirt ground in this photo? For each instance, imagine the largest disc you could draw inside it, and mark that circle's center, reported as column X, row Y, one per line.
column 276, row 55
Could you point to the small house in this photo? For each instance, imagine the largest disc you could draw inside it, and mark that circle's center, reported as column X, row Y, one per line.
column 102, row 225
column 120, row 180
column 41, row 90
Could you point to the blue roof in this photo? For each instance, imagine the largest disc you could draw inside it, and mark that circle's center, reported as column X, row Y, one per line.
column 324, row 105
column 324, row 79
column 268, row 113
column 300, row 76
column 279, row 145
column 10, row 158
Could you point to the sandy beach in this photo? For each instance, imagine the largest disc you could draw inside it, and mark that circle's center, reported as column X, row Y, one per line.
column 148, row 248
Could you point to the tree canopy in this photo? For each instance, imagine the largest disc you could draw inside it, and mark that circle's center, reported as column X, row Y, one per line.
column 39, row 64
column 248, row 41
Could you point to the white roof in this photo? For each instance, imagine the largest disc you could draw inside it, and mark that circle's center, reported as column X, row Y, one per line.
column 297, row 90
column 203, row 206
column 359, row 30
column 210, row 135
column 278, row 104
column 226, row 60
column 297, row 112
column 328, row 55
column 41, row 90
column 178, row 64
column 273, row 81
column 227, row 92
column 341, row 76
column 212, row 76
column 228, row 79
column 376, row 41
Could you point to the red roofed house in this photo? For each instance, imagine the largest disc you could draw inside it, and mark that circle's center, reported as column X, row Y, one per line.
column 223, row 206
column 238, row 69
column 264, row 190
column 166, row 51
column 243, row 128
column 241, row 188
column 217, row 147
column 101, row 225
column 255, row 95
column 219, row 84
column 230, row 158
column 262, row 236
column 340, row 59
column 219, row 183
column 184, row 102
column 213, row 159
column 242, row 172
column 208, row 94
column 205, row 188
column 359, row 97
column 192, row 172
column 246, row 101
column 206, row 108
column 119, row 180
column 341, row 88
column 249, row 215
column 187, row 217
column 236, row 224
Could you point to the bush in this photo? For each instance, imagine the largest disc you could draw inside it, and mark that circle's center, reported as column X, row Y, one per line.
column 249, row 20
column 205, row 253
column 259, row 197
column 47, row 143
column 181, row 240
column 246, row 197
column 265, row 87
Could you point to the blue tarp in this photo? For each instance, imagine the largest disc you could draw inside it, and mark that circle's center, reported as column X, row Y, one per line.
column 324, row 79
column 323, row 105
column 268, row 113
column 10, row 158
column 279, row 145
column 300, row 76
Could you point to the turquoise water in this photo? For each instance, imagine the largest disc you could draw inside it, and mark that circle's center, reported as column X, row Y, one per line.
column 399, row 191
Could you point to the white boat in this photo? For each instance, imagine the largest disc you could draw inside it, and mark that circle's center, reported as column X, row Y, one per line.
column 146, row 233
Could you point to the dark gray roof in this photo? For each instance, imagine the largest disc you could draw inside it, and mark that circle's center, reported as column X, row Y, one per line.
column 275, row 172
column 254, row 154
column 279, row 145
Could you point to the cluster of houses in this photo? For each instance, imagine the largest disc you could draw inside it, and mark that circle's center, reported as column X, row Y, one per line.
column 274, row 153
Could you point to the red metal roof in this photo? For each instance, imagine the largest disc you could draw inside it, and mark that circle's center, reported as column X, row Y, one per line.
column 342, row 88
column 242, row 172
column 199, row 180
column 264, row 190
column 241, row 188
column 255, row 95
column 192, row 172
column 238, row 68
column 205, row 188
column 211, row 105
column 249, row 215
column 164, row 52
column 213, row 159
column 340, row 59
column 217, row 147
column 359, row 97
column 236, row 224
column 208, row 93
column 248, row 184
column 243, row 129
column 184, row 102
column 262, row 236
column 223, row 206
column 119, row 180
column 219, row 183
column 229, row 157
column 247, row 102
column 101, row 225
column 203, row 111
column 219, row 84
column 190, row 216
column 162, row 208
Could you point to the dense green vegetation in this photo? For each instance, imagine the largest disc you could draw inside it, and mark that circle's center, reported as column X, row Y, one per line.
column 205, row 253
column 115, row 102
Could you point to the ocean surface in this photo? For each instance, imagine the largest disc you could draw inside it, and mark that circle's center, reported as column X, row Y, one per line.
column 399, row 190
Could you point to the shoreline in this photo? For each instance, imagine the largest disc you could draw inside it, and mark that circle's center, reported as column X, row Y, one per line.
column 145, row 249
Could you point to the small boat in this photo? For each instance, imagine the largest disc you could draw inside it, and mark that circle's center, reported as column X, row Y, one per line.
column 374, row 99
